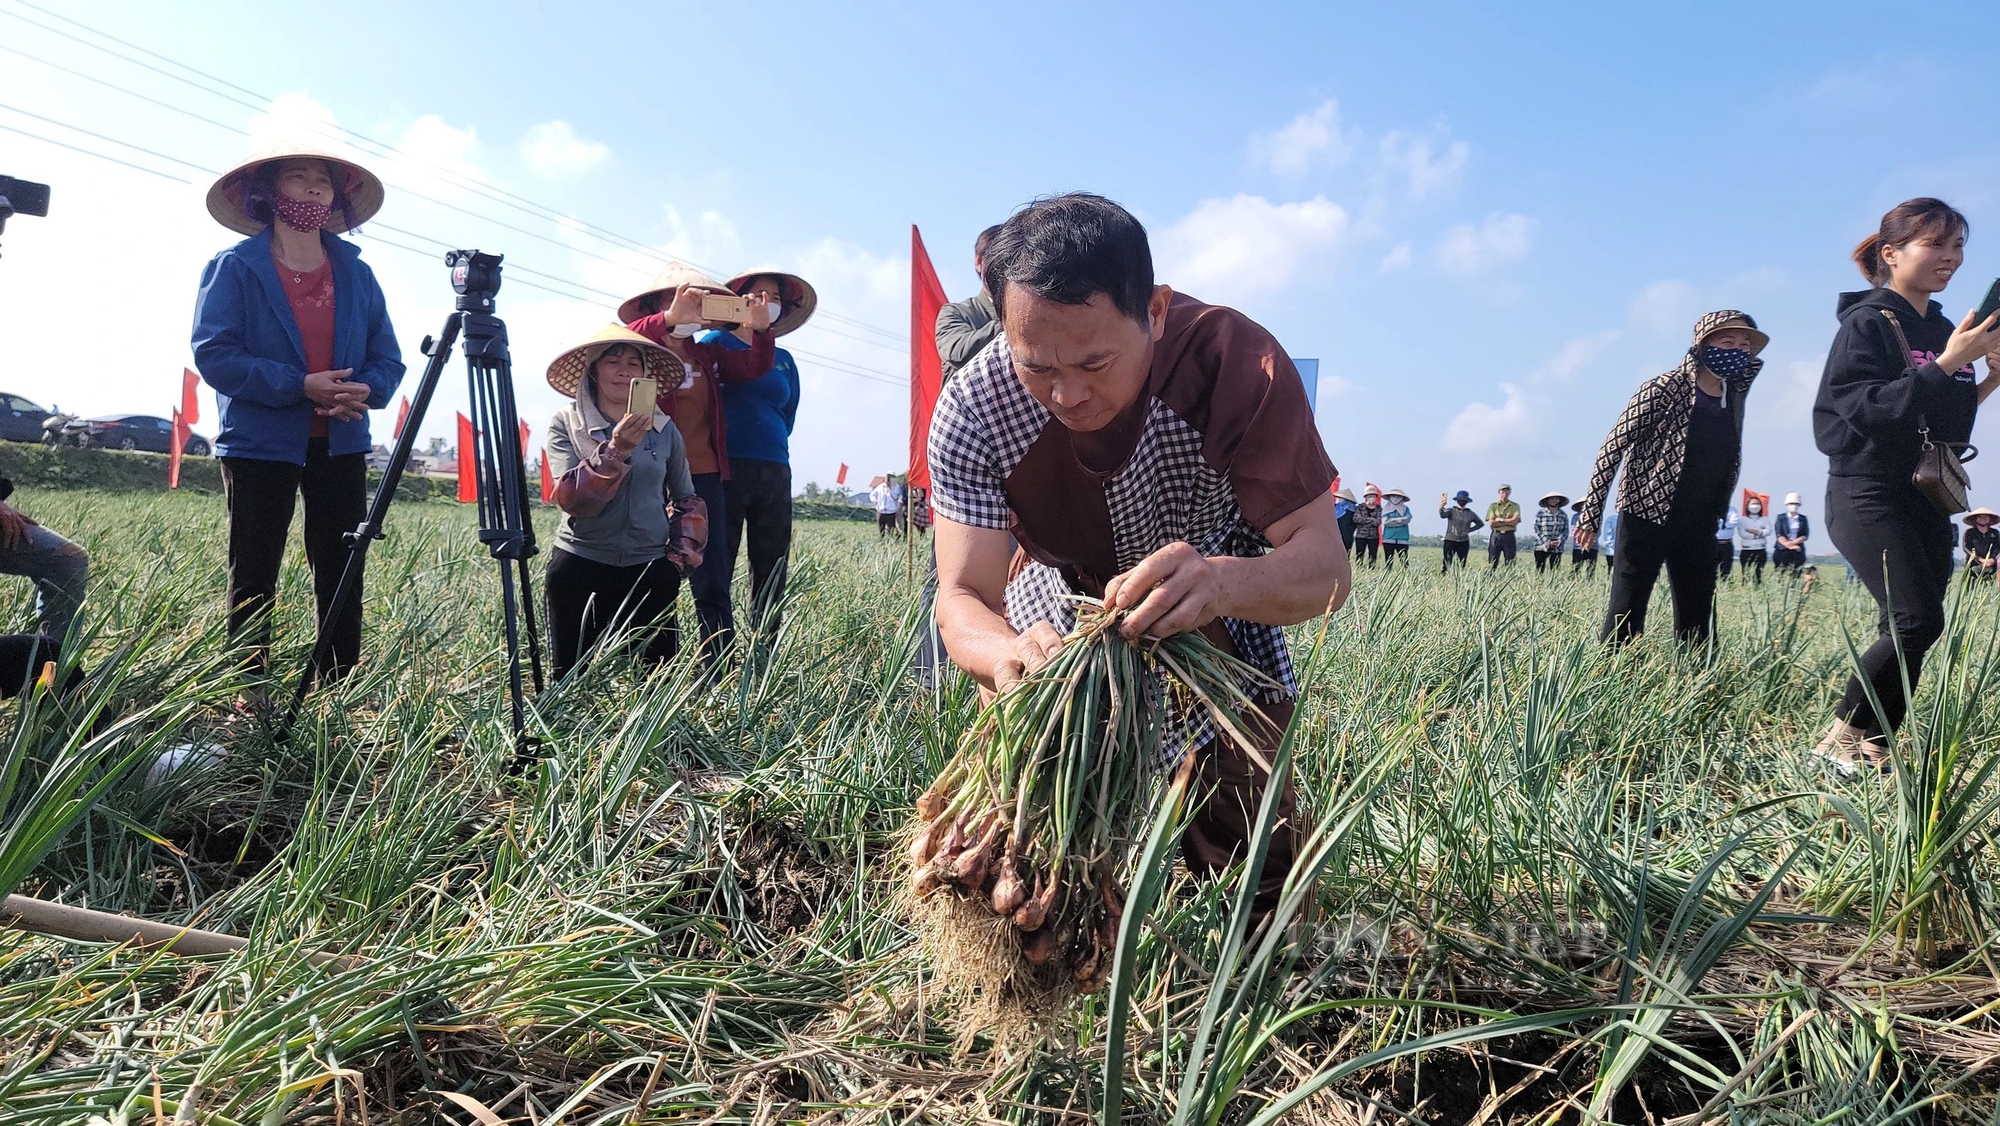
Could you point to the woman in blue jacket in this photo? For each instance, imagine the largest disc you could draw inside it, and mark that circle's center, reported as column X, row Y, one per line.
column 291, row 330
column 760, row 414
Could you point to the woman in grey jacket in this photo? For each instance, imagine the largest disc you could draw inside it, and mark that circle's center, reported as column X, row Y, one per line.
column 632, row 524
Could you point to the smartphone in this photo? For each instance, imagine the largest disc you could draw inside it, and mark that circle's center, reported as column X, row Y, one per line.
column 1989, row 306
column 645, row 397
column 729, row 309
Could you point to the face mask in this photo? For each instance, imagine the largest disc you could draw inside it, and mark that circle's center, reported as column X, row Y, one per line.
column 1792, row 508
column 1727, row 363
column 302, row 215
column 686, row 329
column 777, row 310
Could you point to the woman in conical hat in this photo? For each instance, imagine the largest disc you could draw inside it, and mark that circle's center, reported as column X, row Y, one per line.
column 292, row 332
column 1981, row 543
column 669, row 312
column 1395, row 527
column 632, row 523
column 758, row 416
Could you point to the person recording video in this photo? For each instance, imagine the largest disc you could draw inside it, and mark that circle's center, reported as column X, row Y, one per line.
column 680, row 303
column 293, row 333
column 632, row 522
column 758, row 417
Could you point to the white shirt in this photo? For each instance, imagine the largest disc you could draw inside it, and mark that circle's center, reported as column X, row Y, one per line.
column 884, row 497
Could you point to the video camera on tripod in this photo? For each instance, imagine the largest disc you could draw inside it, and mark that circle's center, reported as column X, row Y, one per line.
column 496, row 461
column 22, row 197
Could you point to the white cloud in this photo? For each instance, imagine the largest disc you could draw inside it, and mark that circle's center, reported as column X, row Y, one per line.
column 859, row 415
column 1479, row 426
column 1573, row 356
column 434, row 157
column 553, row 149
column 1309, row 139
column 1397, row 258
column 295, row 117
column 1664, row 307
column 1247, row 244
column 1470, row 249
column 1423, row 169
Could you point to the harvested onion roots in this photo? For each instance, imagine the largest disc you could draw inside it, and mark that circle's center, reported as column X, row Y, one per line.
column 1038, row 813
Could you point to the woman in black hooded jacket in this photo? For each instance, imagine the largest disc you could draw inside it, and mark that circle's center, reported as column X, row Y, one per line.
column 1897, row 370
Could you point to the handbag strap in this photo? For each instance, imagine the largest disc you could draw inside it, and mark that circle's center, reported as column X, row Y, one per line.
column 1903, row 357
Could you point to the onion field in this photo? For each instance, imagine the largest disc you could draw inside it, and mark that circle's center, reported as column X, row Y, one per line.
column 1543, row 882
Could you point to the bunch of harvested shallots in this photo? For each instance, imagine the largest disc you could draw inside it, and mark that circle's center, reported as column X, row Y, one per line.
column 1027, row 835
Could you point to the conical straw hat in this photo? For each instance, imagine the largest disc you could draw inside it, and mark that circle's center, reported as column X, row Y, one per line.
column 363, row 188
column 566, row 370
column 800, row 299
column 673, row 277
column 1980, row 512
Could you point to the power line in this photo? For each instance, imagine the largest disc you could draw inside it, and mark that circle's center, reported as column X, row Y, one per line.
column 471, row 183
column 102, row 137
column 839, row 366
column 98, row 155
column 135, row 47
column 401, row 188
column 432, row 255
column 121, row 89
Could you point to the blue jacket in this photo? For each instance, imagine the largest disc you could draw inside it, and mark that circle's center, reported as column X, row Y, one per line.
column 760, row 413
column 247, row 347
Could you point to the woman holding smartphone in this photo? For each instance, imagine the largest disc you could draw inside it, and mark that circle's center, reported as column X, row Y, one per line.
column 671, row 312
column 632, row 523
column 1899, row 373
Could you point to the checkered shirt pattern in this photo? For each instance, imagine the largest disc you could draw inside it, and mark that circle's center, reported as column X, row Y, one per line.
column 1551, row 528
column 984, row 425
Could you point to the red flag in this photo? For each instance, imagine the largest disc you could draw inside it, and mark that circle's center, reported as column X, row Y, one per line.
column 468, row 457
column 190, row 409
column 402, row 416
column 174, row 447
column 524, row 440
column 548, row 479
column 840, row 478
column 926, row 368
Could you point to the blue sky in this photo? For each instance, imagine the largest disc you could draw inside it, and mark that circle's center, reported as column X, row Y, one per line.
column 1489, row 225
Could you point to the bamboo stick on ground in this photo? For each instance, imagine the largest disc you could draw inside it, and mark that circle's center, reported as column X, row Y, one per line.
column 23, row 912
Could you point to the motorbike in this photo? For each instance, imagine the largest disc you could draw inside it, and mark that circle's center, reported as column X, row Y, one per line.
column 65, row 429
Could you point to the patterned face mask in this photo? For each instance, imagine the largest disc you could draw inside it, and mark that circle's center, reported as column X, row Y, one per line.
column 302, row 215
column 1727, row 363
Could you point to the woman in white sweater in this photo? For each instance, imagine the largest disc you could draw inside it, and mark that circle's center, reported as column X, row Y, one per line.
column 1753, row 538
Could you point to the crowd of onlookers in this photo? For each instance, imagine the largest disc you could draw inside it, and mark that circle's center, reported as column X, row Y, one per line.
column 1376, row 525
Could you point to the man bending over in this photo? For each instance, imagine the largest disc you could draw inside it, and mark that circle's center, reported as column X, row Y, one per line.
column 1145, row 448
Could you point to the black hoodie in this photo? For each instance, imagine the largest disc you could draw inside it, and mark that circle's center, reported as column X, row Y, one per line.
column 1870, row 398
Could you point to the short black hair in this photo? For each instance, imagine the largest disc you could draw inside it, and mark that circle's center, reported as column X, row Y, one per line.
column 1070, row 247
column 985, row 239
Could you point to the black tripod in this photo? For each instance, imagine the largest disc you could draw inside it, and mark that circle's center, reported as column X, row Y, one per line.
column 496, row 463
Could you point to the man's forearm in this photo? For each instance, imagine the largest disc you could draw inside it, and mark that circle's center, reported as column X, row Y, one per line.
column 1297, row 582
column 977, row 638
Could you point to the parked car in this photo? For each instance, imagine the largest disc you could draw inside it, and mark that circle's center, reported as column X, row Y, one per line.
column 20, row 420
column 137, row 432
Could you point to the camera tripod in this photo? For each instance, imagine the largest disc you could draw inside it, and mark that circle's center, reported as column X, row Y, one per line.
column 497, row 464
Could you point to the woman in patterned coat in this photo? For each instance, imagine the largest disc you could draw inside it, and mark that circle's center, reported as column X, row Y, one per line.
column 1680, row 440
